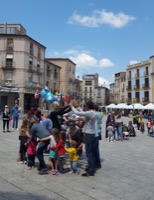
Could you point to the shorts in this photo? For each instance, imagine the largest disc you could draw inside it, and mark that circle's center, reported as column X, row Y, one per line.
column 52, row 154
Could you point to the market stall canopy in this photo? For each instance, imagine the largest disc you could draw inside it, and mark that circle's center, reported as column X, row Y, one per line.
column 149, row 106
column 138, row 106
column 111, row 106
column 122, row 106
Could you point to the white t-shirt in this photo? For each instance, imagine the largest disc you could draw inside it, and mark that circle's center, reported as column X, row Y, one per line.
column 52, row 141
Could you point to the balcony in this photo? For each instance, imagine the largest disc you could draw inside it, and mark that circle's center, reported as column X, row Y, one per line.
column 146, row 74
column 145, row 100
column 7, row 83
column 8, row 65
column 129, row 77
column 136, row 87
column 35, row 85
column 145, row 86
column 32, row 68
column 129, row 87
column 128, row 100
column 136, row 100
column 39, row 71
column 9, row 48
column 137, row 75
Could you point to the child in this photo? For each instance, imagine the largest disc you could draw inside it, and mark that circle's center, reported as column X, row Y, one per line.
column 31, row 152
column 73, row 156
column 60, row 147
column 148, row 126
column 131, row 130
column 53, row 153
column 23, row 137
column 110, row 130
column 142, row 128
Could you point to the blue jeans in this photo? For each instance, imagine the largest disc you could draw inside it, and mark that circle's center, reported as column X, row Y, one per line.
column 74, row 166
column 89, row 140
column 97, row 154
column 15, row 122
column 119, row 132
column 39, row 153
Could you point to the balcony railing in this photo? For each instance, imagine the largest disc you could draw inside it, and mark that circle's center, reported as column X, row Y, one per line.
column 31, row 84
column 7, row 65
column 136, row 100
column 129, row 87
column 137, row 75
column 128, row 77
column 136, row 87
column 128, row 100
column 145, row 100
column 7, row 83
column 145, row 86
column 146, row 74
column 9, row 48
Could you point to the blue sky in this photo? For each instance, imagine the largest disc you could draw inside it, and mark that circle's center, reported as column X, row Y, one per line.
column 100, row 36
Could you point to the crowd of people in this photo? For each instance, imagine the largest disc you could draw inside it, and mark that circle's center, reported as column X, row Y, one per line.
column 62, row 133
column 59, row 134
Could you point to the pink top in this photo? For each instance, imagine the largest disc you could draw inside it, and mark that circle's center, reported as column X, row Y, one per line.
column 31, row 147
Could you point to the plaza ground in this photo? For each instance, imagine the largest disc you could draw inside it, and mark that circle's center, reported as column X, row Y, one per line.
column 127, row 173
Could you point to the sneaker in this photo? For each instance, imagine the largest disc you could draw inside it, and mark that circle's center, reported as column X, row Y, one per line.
column 71, row 172
column 12, row 129
column 43, row 171
column 59, row 174
column 17, row 129
column 77, row 172
column 4, row 131
column 88, row 174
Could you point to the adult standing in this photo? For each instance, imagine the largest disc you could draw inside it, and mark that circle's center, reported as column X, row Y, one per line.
column 119, row 125
column 57, row 113
column 6, row 118
column 89, row 134
column 97, row 137
column 39, row 131
column 15, row 111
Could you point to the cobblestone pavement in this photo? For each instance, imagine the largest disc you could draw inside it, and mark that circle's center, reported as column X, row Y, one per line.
column 127, row 173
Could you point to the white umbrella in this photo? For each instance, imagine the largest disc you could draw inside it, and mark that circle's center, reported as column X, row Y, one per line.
column 138, row 106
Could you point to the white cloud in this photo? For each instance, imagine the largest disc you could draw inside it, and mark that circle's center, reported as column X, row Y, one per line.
column 83, row 58
column 103, row 82
column 101, row 17
column 132, row 62
column 105, row 63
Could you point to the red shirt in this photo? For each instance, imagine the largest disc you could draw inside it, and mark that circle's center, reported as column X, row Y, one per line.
column 60, row 147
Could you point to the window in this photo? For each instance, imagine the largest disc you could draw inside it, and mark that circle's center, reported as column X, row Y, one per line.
column 39, row 52
column 31, row 49
column 10, row 44
column 88, row 82
column 8, row 76
column 31, row 78
column 30, row 62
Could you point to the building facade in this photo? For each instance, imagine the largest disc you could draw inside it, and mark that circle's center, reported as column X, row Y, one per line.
column 101, row 95
column 21, row 67
column 67, row 76
column 139, row 82
column 89, row 82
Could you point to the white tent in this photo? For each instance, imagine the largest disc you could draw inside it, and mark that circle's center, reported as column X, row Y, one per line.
column 149, row 106
column 112, row 105
column 122, row 106
column 138, row 106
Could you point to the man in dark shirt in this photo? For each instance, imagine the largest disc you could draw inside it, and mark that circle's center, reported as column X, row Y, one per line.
column 57, row 113
column 39, row 131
